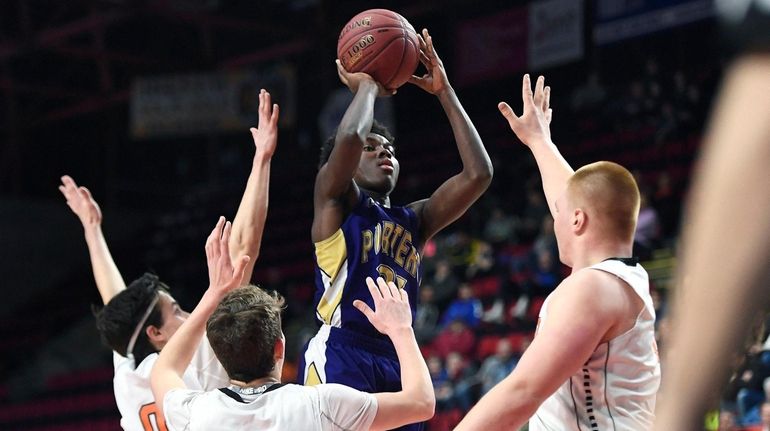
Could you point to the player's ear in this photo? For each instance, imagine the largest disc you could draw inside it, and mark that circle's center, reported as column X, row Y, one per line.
column 155, row 336
column 579, row 221
column 279, row 350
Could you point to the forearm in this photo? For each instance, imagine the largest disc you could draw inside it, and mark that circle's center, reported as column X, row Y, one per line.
column 176, row 355
column 506, row 406
column 334, row 178
column 249, row 221
column 476, row 162
column 109, row 282
column 554, row 169
column 719, row 281
column 358, row 118
column 415, row 377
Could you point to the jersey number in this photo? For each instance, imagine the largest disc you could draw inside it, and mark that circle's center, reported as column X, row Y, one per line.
column 390, row 276
column 150, row 418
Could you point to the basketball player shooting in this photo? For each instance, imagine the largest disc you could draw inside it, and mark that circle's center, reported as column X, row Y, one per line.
column 593, row 363
column 358, row 234
column 244, row 328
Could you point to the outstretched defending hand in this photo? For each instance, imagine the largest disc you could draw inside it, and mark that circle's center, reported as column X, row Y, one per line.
column 266, row 135
column 533, row 124
column 223, row 276
column 391, row 307
column 434, row 81
column 81, row 202
column 353, row 80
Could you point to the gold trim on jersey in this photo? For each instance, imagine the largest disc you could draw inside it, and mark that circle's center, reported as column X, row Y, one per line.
column 331, row 256
column 312, row 378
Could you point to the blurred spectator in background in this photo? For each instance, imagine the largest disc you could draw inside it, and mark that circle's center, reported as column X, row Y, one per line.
column 426, row 316
column 456, row 337
column 496, row 367
column 466, row 308
column 500, row 228
column 647, row 236
column 444, row 283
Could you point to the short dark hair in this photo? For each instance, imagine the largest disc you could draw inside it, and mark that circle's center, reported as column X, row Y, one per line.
column 328, row 145
column 243, row 331
column 117, row 320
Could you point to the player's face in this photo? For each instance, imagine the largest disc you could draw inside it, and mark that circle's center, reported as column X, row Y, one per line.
column 378, row 168
column 173, row 316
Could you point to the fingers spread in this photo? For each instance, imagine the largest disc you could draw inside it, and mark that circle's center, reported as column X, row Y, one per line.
column 506, row 110
column 363, row 308
column 539, row 96
column 526, row 91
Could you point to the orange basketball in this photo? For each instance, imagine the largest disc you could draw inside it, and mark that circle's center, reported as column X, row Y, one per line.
column 381, row 43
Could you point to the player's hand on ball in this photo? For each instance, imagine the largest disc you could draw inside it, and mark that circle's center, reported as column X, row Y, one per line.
column 354, row 80
column 533, row 124
column 434, row 81
column 391, row 307
column 224, row 274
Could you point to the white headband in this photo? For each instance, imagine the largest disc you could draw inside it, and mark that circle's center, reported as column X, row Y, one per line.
column 139, row 326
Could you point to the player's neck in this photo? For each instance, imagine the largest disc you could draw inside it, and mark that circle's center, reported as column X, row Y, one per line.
column 380, row 198
column 593, row 252
column 256, row 382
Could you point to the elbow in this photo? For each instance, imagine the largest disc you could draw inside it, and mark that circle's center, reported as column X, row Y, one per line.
column 482, row 175
column 425, row 407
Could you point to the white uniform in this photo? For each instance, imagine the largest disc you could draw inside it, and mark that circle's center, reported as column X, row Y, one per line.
column 134, row 395
column 615, row 389
column 289, row 407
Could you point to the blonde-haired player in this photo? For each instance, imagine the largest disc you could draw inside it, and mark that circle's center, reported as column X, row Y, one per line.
column 593, row 363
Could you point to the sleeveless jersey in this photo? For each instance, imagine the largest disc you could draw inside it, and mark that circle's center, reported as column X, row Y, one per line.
column 133, row 394
column 373, row 241
column 615, row 389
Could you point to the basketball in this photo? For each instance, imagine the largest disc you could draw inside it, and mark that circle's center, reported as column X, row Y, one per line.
column 381, row 43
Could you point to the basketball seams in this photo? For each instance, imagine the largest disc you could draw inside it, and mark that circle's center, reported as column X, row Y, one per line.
column 370, row 47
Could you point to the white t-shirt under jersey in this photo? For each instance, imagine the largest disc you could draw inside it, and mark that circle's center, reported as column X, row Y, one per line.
column 132, row 385
column 614, row 390
column 290, row 407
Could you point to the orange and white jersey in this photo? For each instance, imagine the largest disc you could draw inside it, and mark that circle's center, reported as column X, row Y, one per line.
column 324, row 407
column 616, row 388
column 133, row 393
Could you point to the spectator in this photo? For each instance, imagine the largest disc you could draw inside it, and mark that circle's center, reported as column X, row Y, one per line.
column 426, row 316
column 466, row 308
column 500, row 228
column 455, row 338
column 444, row 283
column 496, row 367
column 462, row 376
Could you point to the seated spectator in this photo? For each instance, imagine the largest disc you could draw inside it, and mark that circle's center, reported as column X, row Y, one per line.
column 462, row 376
column 482, row 260
column 727, row 421
column 500, row 228
column 456, row 337
column 444, row 283
column 497, row 367
column 466, row 308
column 546, row 276
column 426, row 316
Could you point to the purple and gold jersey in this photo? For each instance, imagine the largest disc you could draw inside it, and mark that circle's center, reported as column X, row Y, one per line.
column 373, row 241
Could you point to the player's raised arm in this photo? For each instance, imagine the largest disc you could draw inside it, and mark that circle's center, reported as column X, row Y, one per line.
column 334, row 183
column 458, row 193
column 564, row 342
column 224, row 276
column 532, row 128
column 392, row 316
column 249, row 222
column 109, row 282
